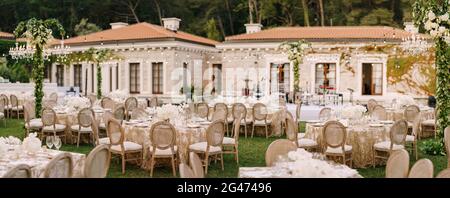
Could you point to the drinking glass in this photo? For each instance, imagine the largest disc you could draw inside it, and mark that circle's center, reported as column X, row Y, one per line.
column 57, row 142
column 49, row 142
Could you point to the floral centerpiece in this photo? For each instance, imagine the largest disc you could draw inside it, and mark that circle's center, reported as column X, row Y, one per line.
column 31, row 144
column 353, row 112
column 304, row 165
column 119, row 95
column 169, row 112
column 405, row 100
column 76, row 102
column 10, row 140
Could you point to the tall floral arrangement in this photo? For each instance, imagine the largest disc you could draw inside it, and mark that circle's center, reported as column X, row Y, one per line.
column 296, row 51
column 433, row 17
column 38, row 33
column 99, row 56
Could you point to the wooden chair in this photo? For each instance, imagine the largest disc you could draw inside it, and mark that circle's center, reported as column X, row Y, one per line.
column 412, row 139
column 186, row 171
column 444, row 174
column 292, row 135
column 107, row 103
column 119, row 113
column 379, row 112
column 397, row 140
column 2, row 111
column 335, row 137
column 7, row 107
column 138, row 114
column 19, row 171
column 31, row 124
column 230, row 145
column 298, row 110
column 163, row 139
column 131, row 103
column 129, row 151
column 398, row 164
column 153, row 102
column 97, row 162
column 60, row 167
column 410, row 114
column 196, row 164
column 54, row 96
column 239, row 110
column 202, row 110
column 92, row 98
column 325, row 114
column 447, row 144
column 277, row 148
column 260, row 118
column 422, row 169
column 15, row 107
column 223, row 108
column 428, row 127
column 50, row 125
column 86, row 119
column 371, row 104
column 213, row 145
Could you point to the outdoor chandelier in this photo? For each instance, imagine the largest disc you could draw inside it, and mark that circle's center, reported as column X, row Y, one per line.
column 27, row 51
column 415, row 44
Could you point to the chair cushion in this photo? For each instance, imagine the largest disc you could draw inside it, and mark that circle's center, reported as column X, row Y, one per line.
column 201, row 147
column 228, row 141
column 102, row 126
column 128, row 146
column 58, row 128
column 230, row 120
column 338, row 150
column 429, row 122
column 304, row 142
column 410, row 138
column 34, row 125
column 17, row 108
column 104, row 141
column 83, row 129
column 261, row 122
column 165, row 152
column 247, row 121
column 2, row 115
column 386, row 145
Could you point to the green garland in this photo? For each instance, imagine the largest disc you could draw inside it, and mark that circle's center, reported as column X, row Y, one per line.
column 295, row 54
column 427, row 14
column 38, row 33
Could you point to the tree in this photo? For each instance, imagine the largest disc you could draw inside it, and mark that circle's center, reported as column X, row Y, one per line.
column 38, row 33
column 84, row 27
column 322, row 17
column 380, row 16
column 212, row 31
column 305, row 12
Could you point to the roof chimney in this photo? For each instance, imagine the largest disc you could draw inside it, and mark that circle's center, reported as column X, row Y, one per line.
column 411, row 28
column 118, row 25
column 253, row 28
column 172, row 24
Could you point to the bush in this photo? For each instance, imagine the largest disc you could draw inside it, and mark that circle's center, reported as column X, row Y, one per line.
column 433, row 147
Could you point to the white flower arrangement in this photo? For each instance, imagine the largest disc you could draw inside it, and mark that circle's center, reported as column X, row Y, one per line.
column 120, row 95
column 31, row 144
column 10, row 140
column 76, row 102
column 405, row 100
column 353, row 112
column 169, row 111
column 437, row 25
column 305, row 166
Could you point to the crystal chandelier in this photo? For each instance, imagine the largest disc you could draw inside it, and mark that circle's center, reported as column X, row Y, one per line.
column 27, row 51
column 415, row 44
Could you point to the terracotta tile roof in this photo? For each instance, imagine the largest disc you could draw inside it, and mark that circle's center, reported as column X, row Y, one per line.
column 6, row 35
column 324, row 33
column 139, row 31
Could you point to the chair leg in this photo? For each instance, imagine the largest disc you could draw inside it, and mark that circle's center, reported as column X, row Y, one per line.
column 415, row 150
column 221, row 160
column 253, row 129
column 206, row 163
column 245, row 128
column 152, row 165
column 173, row 167
column 267, row 132
column 78, row 140
column 123, row 163
column 373, row 158
column 236, row 154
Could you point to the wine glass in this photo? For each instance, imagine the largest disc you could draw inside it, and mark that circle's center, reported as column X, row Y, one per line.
column 57, row 142
column 49, row 142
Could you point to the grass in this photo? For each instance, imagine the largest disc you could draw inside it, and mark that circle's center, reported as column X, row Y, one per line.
column 252, row 151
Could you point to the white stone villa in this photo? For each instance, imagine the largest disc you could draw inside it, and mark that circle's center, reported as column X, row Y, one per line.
column 162, row 60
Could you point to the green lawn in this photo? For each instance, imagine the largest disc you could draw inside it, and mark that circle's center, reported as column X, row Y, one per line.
column 251, row 154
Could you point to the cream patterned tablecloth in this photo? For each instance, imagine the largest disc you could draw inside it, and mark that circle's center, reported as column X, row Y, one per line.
column 185, row 137
column 398, row 114
column 361, row 138
column 39, row 161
